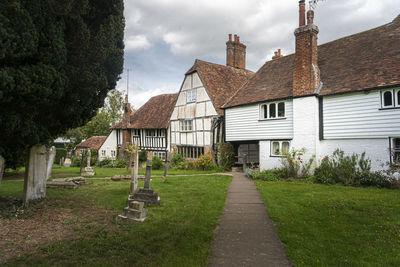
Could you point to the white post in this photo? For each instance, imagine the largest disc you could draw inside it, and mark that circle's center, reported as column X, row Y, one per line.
column 51, row 155
column 35, row 174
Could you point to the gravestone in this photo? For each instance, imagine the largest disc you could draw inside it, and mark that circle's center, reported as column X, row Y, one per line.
column 169, row 157
column 135, row 170
column 133, row 213
column 2, row 166
column 88, row 170
column 51, row 155
column 67, row 162
column 35, row 174
column 146, row 194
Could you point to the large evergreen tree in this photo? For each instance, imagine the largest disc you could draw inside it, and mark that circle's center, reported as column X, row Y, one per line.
column 58, row 60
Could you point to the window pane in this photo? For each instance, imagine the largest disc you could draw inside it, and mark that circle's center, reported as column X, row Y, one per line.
column 387, row 99
column 275, row 148
column 396, row 143
column 285, row 147
column 272, row 110
column 191, row 96
column 281, row 109
column 265, row 111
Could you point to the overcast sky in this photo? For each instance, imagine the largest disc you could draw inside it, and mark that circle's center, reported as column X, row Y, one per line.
column 164, row 37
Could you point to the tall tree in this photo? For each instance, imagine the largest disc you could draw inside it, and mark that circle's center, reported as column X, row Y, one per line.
column 58, row 61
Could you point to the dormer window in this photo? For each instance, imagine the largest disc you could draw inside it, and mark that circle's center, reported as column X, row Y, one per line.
column 390, row 98
column 272, row 111
column 191, row 96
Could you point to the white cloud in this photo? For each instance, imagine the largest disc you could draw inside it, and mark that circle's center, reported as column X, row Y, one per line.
column 136, row 43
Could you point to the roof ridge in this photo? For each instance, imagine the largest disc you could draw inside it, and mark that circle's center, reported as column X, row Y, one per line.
column 212, row 63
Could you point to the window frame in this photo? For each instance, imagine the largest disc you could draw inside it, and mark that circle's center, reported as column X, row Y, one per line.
column 266, row 107
column 394, row 150
column 395, row 98
column 280, row 142
column 191, row 96
column 183, row 125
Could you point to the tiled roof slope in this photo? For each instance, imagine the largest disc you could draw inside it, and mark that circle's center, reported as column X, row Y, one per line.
column 220, row 81
column 94, row 142
column 361, row 61
column 154, row 114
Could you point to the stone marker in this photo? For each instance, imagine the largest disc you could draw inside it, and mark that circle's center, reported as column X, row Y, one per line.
column 133, row 213
column 67, row 162
column 51, row 155
column 35, row 174
column 88, row 170
column 2, row 166
column 135, row 169
column 146, row 194
column 169, row 157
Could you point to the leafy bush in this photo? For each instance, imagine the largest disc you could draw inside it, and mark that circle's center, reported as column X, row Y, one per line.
column 268, row 175
column 76, row 161
column 60, row 152
column 107, row 162
column 226, row 155
column 341, row 168
column 142, row 156
column 157, row 164
column 203, row 163
column 118, row 163
column 178, row 162
column 294, row 166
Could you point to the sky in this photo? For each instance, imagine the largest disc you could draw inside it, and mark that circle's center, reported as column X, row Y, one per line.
column 164, row 37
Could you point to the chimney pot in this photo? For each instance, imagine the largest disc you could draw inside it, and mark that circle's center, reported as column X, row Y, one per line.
column 310, row 17
column 279, row 52
column 238, row 39
column 302, row 13
column 235, row 38
column 230, row 37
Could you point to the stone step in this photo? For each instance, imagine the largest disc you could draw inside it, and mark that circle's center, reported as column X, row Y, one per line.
column 135, row 214
column 137, row 205
column 64, row 185
column 124, row 219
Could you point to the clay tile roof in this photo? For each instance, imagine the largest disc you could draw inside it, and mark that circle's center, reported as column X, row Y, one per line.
column 220, row 81
column 94, row 142
column 155, row 113
column 365, row 60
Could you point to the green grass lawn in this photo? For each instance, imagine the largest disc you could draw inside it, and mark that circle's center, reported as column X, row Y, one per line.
column 324, row 225
column 177, row 233
column 62, row 172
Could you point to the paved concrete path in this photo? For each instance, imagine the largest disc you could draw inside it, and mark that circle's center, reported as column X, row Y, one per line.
column 246, row 235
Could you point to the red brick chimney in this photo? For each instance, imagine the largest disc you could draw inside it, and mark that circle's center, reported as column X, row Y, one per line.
column 235, row 53
column 126, row 132
column 306, row 76
column 277, row 54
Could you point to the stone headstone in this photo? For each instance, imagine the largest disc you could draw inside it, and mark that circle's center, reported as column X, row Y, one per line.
column 88, row 170
column 133, row 213
column 35, row 174
column 135, row 170
column 67, row 162
column 51, row 155
column 2, row 166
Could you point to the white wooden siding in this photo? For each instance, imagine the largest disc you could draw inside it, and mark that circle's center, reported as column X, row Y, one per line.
column 358, row 115
column 243, row 123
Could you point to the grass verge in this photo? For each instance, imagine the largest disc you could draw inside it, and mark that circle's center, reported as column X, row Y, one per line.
column 335, row 225
column 177, row 233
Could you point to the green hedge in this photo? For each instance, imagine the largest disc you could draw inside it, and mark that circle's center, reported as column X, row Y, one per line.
column 60, row 152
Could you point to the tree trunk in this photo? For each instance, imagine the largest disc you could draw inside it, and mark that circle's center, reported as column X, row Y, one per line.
column 2, row 167
column 51, row 155
column 35, row 174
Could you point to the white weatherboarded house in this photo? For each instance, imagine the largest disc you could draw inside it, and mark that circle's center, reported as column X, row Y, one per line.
column 343, row 94
column 197, row 120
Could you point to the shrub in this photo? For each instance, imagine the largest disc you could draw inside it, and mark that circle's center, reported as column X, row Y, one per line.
column 294, row 166
column 226, row 155
column 118, row 163
column 142, row 156
column 60, row 152
column 345, row 169
column 178, row 162
column 157, row 164
column 107, row 162
column 76, row 161
column 268, row 175
column 203, row 163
